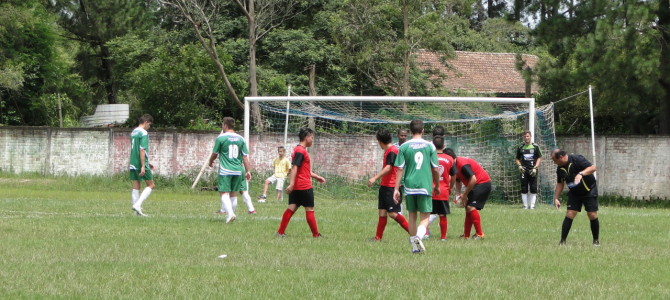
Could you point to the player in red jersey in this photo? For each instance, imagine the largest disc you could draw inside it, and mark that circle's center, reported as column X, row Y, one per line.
column 385, row 202
column 447, row 172
column 477, row 190
column 300, row 188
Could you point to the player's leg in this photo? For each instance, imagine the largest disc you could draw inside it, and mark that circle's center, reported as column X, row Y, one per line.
column 575, row 206
column 524, row 190
column 233, row 201
column 476, row 201
column 532, row 196
column 135, row 181
column 288, row 213
column 307, row 200
column 279, row 187
column 148, row 180
column 591, row 207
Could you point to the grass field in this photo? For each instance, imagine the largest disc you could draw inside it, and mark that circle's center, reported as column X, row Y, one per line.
column 76, row 238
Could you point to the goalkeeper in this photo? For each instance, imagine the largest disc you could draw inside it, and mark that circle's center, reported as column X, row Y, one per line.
column 528, row 158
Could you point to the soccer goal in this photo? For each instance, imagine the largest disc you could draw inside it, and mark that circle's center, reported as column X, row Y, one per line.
column 346, row 152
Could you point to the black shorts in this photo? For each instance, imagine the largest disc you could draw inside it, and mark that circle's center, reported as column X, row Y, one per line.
column 526, row 181
column 589, row 201
column 385, row 200
column 479, row 194
column 441, row 207
column 302, row 198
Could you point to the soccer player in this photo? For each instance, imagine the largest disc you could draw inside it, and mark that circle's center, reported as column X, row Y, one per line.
column 417, row 168
column 477, row 190
column 299, row 190
column 402, row 138
column 447, row 170
column 385, row 203
column 140, row 168
column 577, row 172
column 528, row 159
column 231, row 148
column 282, row 167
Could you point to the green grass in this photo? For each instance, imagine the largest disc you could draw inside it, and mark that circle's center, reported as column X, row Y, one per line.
column 70, row 238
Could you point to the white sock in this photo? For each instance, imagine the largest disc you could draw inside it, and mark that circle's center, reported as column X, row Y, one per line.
column 432, row 218
column 421, row 231
column 233, row 203
column 247, row 201
column 145, row 194
column 524, row 198
column 226, row 206
column 411, row 242
column 532, row 200
column 135, row 194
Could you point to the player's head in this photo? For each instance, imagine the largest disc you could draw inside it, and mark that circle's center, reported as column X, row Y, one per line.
column 438, row 141
column 438, row 130
column 306, row 135
column 527, row 136
column 560, row 157
column 384, row 137
column 450, row 152
column 281, row 150
column 145, row 120
column 402, row 136
column 416, row 127
column 228, row 123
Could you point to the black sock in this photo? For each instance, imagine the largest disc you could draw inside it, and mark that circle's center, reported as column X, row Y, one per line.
column 595, row 228
column 567, row 223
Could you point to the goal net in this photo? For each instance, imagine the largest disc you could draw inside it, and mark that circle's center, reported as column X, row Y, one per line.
column 345, row 149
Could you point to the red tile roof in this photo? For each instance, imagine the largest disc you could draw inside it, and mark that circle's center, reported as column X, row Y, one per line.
column 479, row 71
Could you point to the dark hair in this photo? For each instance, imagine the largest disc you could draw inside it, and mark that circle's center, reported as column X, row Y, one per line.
column 450, row 152
column 416, row 126
column 438, row 141
column 145, row 118
column 401, row 129
column 280, row 148
column 304, row 132
column 228, row 122
column 384, row 136
column 527, row 132
column 558, row 153
column 438, row 130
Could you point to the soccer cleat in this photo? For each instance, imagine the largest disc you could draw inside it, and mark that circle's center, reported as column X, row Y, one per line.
column 532, row 207
column 230, row 218
column 262, row 198
column 596, row 243
column 525, row 207
column 426, row 237
column 220, row 212
column 562, row 243
column 374, row 239
column 261, row 201
column 462, row 236
column 419, row 245
column 318, row 236
column 478, row 237
column 138, row 211
column 253, row 212
column 279, row 235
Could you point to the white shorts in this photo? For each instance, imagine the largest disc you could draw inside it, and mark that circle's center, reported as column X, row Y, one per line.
column 280, row 182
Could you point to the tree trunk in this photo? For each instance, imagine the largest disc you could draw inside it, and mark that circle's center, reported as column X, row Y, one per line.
column 253, row 81
column 106, row 74
column 406, row 54
column 664, row 79
column 311, row 123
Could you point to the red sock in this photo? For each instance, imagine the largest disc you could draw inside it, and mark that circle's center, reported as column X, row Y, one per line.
column 467, row 226
column 381, row 225
column 402, row 221
column 443, row 227
column 311, row 221
column 477, row 221
column 286, row 217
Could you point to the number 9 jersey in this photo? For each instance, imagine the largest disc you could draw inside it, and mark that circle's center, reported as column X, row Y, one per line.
column 417, row 157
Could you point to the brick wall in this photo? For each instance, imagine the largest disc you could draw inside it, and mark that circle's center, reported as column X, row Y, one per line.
column 631, row 166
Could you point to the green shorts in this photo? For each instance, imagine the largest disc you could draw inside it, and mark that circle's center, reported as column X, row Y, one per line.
column 420, row 203
column 232, row 183
column 135, row 175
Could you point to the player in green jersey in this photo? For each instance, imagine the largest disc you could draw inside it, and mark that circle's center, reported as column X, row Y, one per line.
column 418, row 170
column 140, row 168
column 231, row 148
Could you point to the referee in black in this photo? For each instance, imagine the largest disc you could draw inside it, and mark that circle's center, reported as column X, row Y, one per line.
column 577, row 173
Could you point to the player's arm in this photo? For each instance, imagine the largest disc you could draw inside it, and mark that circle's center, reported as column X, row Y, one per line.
column 212, row 158
column 436, row 180
column 247, row 166
column 471, row 181
column 318, row 178
column 143, row 161
column 292, row 174
column 558, row 189
column 387, row 169
column 396, row 187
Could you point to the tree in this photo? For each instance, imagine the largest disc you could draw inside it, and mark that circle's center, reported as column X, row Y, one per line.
column 94, row 23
